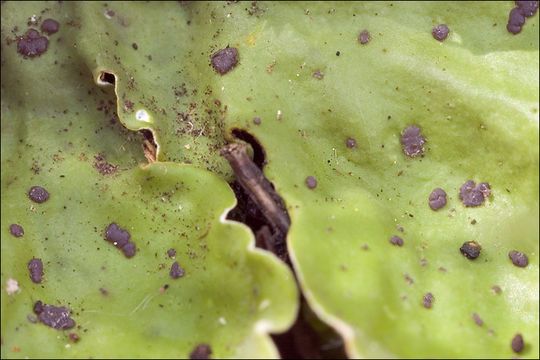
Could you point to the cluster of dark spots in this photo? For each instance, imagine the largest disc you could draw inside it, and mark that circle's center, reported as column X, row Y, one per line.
column 16, row 230
column 440, row 32
column 477, row 320
column 412, row 141
column 52, row 316
column 518, row 258
column 135, row 46
column 176, row 271
column 364, row 37
column 350, row 143
column 428, row 300
column 408, row 278
column 32, row 44
column 472, row 195
column 517, row 343
column 201, row 351
column 120, row 238
column 311, row 182
column 437, row 199
column 50, row 26
column 171, row 253
column 317, row 74
column 224, row 60
column 38, row 194
column 257, row 121
column 518, row 15
column 470, row 249
column 35, row 266
column 103, row 166
column 396, row 240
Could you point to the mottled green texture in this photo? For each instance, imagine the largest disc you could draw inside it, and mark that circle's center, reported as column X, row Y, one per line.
column 52, row 130
column 475, row 96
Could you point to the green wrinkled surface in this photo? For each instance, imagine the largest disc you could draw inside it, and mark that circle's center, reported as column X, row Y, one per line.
column 475, row 96
column 53, row 127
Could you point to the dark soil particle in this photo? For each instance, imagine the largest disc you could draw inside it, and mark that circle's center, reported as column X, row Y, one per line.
column 171, row 253
column 32, row 44
column 428, row 300
column 518, row 258
column 517, row 343
column 472, row 195
column 35, row 266
column 56, row 317
column 441, row 32
column 134, row 45
column 50, row 26
column 201, row 351
column 38, row 194
column 224, row 60
column 16, row 230
column 477, row 320
column 364, row 37
column 311, row 182
column 317, row 74
column 74, row 337
column 351, row 143
column 437, row 199
column 470, row 249
column 176, row 271
column 396, row 240
column 412, row 141
column 38, row 307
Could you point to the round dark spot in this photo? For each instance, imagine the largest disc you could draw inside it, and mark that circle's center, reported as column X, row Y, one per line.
column 441, row 32
column 49, row 26
column 518, row 258
column 35, row 266
column 351, row 143
column 428, row 300
column 364, row 37
column 129, row 249
column 134, row 45
column 412, row 141
column 338, row 53
column 437, row 199
column 318, row 74
column 171, row 253
column 74, row 337
column 38, row 194
column 472, row 195
column 396, row 240
column 176, row 271
column 517, row 343
column 527, row 8
column 470, row 249
column 32, row 44
column 16, row 230
column 257, row 121
column 224, row 60
column 311, row 182
column 118, row 236
column 201, row 351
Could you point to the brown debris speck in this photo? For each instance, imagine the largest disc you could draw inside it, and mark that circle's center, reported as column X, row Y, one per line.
column 477, row 320
column 16, row 230
column 35, row 267
column 50, row 26
column 441, row 32
column 470, row 249
column 364, row 37
column 201, row 351
column 224, row 60
column 518, row 258
column 396, row 240
column 176, row 271
column 496, row 289
column 428, row 300
column 517, row 343
column 311, row 182
column 74, row 337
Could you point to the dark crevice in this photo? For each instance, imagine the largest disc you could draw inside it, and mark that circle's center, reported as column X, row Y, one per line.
column 149, row 145
column 261, row 208
column 107, row 77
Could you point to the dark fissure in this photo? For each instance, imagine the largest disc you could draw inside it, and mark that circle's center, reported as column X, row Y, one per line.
column 261, row 208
